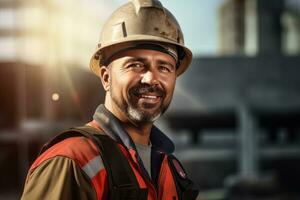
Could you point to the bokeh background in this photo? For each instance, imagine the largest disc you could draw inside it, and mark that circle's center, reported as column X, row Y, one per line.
column 235, row 117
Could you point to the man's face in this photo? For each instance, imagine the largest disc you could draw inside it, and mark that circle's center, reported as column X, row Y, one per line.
column 142, row 83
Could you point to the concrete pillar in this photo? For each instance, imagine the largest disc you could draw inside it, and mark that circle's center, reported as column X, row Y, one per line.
column 249, row 184
column 248, row 144
column 269, row 26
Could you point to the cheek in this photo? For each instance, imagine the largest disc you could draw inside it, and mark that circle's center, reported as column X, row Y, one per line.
column 117, row 87
column 121, row 85
column 170, row 86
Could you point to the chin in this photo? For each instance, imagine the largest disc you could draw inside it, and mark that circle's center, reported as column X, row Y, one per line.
column 142, row 116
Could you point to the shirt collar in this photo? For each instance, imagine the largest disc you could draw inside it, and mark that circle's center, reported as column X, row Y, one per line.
column 113, row 128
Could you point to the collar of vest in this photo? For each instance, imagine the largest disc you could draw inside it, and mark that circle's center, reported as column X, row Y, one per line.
column 113, row 128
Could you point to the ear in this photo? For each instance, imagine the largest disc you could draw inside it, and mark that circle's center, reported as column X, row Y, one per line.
column 105, row 77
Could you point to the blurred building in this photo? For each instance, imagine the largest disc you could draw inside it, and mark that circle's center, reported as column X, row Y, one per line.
column 256, row 27
column 291, row 28
column 232, row 27
column 241, row 110
column 42, row 43
column 50, row 32
column 45, row 85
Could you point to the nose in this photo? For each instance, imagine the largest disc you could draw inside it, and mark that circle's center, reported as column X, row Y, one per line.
column 149, row 78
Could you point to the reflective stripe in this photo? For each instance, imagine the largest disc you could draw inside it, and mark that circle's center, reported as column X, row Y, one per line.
column 93, row 166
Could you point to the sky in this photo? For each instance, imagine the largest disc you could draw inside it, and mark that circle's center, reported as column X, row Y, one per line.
column 198, row 20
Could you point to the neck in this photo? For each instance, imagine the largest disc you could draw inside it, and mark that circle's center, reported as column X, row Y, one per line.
column 140, row 134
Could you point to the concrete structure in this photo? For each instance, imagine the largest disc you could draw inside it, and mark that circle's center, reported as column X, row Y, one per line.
column 256, row 98
column 231, row 27
column 254, row 27
column 45, row 46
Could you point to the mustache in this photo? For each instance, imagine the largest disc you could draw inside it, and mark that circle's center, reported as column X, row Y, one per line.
column 143, row 89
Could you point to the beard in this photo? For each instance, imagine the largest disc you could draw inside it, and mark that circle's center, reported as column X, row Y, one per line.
column 144, row 112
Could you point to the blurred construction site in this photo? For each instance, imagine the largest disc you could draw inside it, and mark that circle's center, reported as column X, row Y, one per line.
column 235, row 116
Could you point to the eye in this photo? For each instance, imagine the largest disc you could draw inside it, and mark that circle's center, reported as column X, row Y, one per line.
column 164, row 68
column 136, row 65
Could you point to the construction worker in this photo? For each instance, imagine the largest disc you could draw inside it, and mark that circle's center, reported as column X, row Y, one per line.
column 121, row 154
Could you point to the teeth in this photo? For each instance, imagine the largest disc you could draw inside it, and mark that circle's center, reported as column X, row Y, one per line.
column 149, row 97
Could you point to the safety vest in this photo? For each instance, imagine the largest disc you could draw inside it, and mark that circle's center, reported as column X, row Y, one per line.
column 123, row 177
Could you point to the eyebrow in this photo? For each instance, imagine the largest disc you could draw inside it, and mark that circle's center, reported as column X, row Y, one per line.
column 134, row 59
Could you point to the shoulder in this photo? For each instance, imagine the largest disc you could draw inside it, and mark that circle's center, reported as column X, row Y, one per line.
column 79, row 149
column 53, row 168
column 75, row 162
column 57, row 178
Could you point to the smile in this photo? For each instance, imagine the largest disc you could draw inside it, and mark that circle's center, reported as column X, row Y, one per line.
column 149, row 96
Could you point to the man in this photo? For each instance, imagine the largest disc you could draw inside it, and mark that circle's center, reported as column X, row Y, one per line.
column 121, row 154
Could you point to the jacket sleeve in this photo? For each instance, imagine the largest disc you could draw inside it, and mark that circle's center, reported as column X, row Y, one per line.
column 58, row 178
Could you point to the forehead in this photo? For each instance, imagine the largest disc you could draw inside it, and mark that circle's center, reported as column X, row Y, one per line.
column 146, row 55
